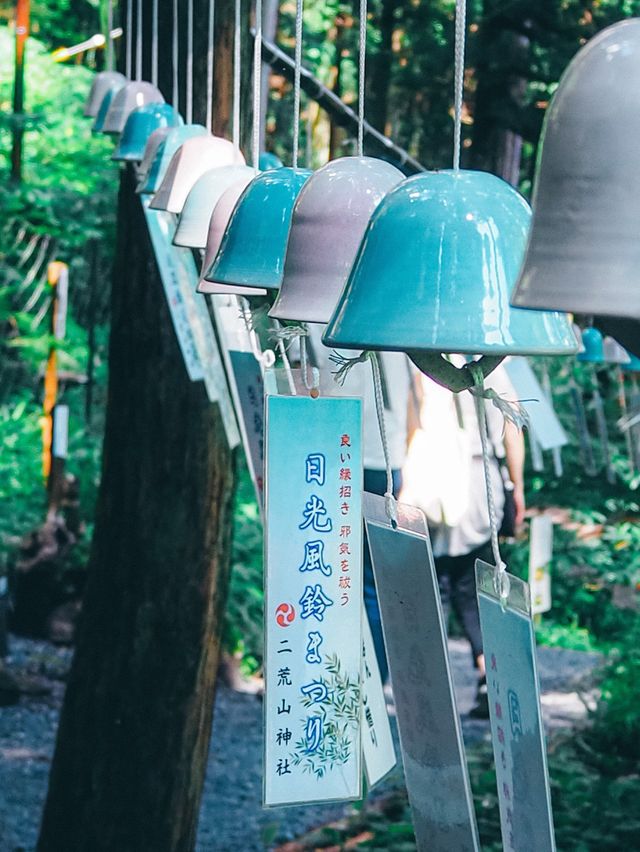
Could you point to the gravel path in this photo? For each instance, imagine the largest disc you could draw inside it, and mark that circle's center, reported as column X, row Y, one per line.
column 232, row 819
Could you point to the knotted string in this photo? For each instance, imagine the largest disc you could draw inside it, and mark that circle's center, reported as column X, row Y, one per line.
column 266, row 358
column 288, row 334
column 500, row 578
column 460, row 33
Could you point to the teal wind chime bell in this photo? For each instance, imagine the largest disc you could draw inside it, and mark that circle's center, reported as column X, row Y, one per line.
column 141, row 123
column 434, row 275
column 592, row 347
column 161, row 147
column 253, row 247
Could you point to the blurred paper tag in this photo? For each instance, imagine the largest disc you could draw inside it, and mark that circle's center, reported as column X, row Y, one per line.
column 540, row 554
column 313, row 599
column 60, row 431
column 517, row 732
column 430, row 735
column 245, row 381
column 190, row 315
column 62, row 297
column 161, row 233
column 377, row 740
column 544, row 421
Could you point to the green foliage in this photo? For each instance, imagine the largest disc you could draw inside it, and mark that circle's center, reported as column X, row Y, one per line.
column 243, row 630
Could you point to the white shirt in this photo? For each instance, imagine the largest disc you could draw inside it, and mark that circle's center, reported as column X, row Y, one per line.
column 397, row 375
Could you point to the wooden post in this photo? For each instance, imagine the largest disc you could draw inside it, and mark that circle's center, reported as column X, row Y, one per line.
column 22, row 33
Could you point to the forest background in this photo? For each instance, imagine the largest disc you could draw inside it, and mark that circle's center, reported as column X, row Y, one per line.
column 65, row 209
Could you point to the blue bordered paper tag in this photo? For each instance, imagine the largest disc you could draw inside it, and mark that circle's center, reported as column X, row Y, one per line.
column 517, row 731
column 313, row 595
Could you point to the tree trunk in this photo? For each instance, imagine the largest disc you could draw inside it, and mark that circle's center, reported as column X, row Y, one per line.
column 134, row 733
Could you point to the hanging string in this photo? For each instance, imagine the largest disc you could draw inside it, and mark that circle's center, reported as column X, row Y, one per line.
column 501, row 580
column 109, row 38
column 189, row 109
column 266, row 358
column 139, row 42
column 154, row 43
column 311, row 383
column 128, row 65
column 257, row 84
column 236, row 78
column 210, row 66
column 174, row 54
column 390, row 504
column 296, row 84
column 361, row 78
column 458, row 75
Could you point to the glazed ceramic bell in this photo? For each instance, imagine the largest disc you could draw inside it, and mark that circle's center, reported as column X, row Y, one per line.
column 192, row 159
column 98, row 124
column 593, row 347
column 626, row 331
column 142, row 122
column 161, row 147
column 103, row 82
column 129, row 97
column 633, row 365
column 260, row 222
column 614, row 353
column 329, row 219
column 217, row 226
column 267, row 161
column 435, row 271
column 584, row 253
column 193, row 225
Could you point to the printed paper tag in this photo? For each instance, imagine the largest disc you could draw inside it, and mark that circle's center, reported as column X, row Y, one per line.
column 60, row 431
column 190, row 314
column 544, row 421
column 62, row 298
column 540, row 553
column 161, row 232
column 245, row 381
column 377, row 740
column 313, row 599
column 428, row 722
column 516, row 721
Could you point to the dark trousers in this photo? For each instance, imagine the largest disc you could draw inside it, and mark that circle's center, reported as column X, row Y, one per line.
column 375, row 482
column 457, row 581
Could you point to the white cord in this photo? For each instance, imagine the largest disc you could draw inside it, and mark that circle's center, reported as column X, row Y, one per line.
column 296, row 83
column 391, row 506
column 189, row 109
column 236, row 78
column 139, row 42
column 501, row 581
column 361, row 74
column 174, row 54
column 154, row 43
column 257, row 84
column 210, row 65
column 461, row 26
